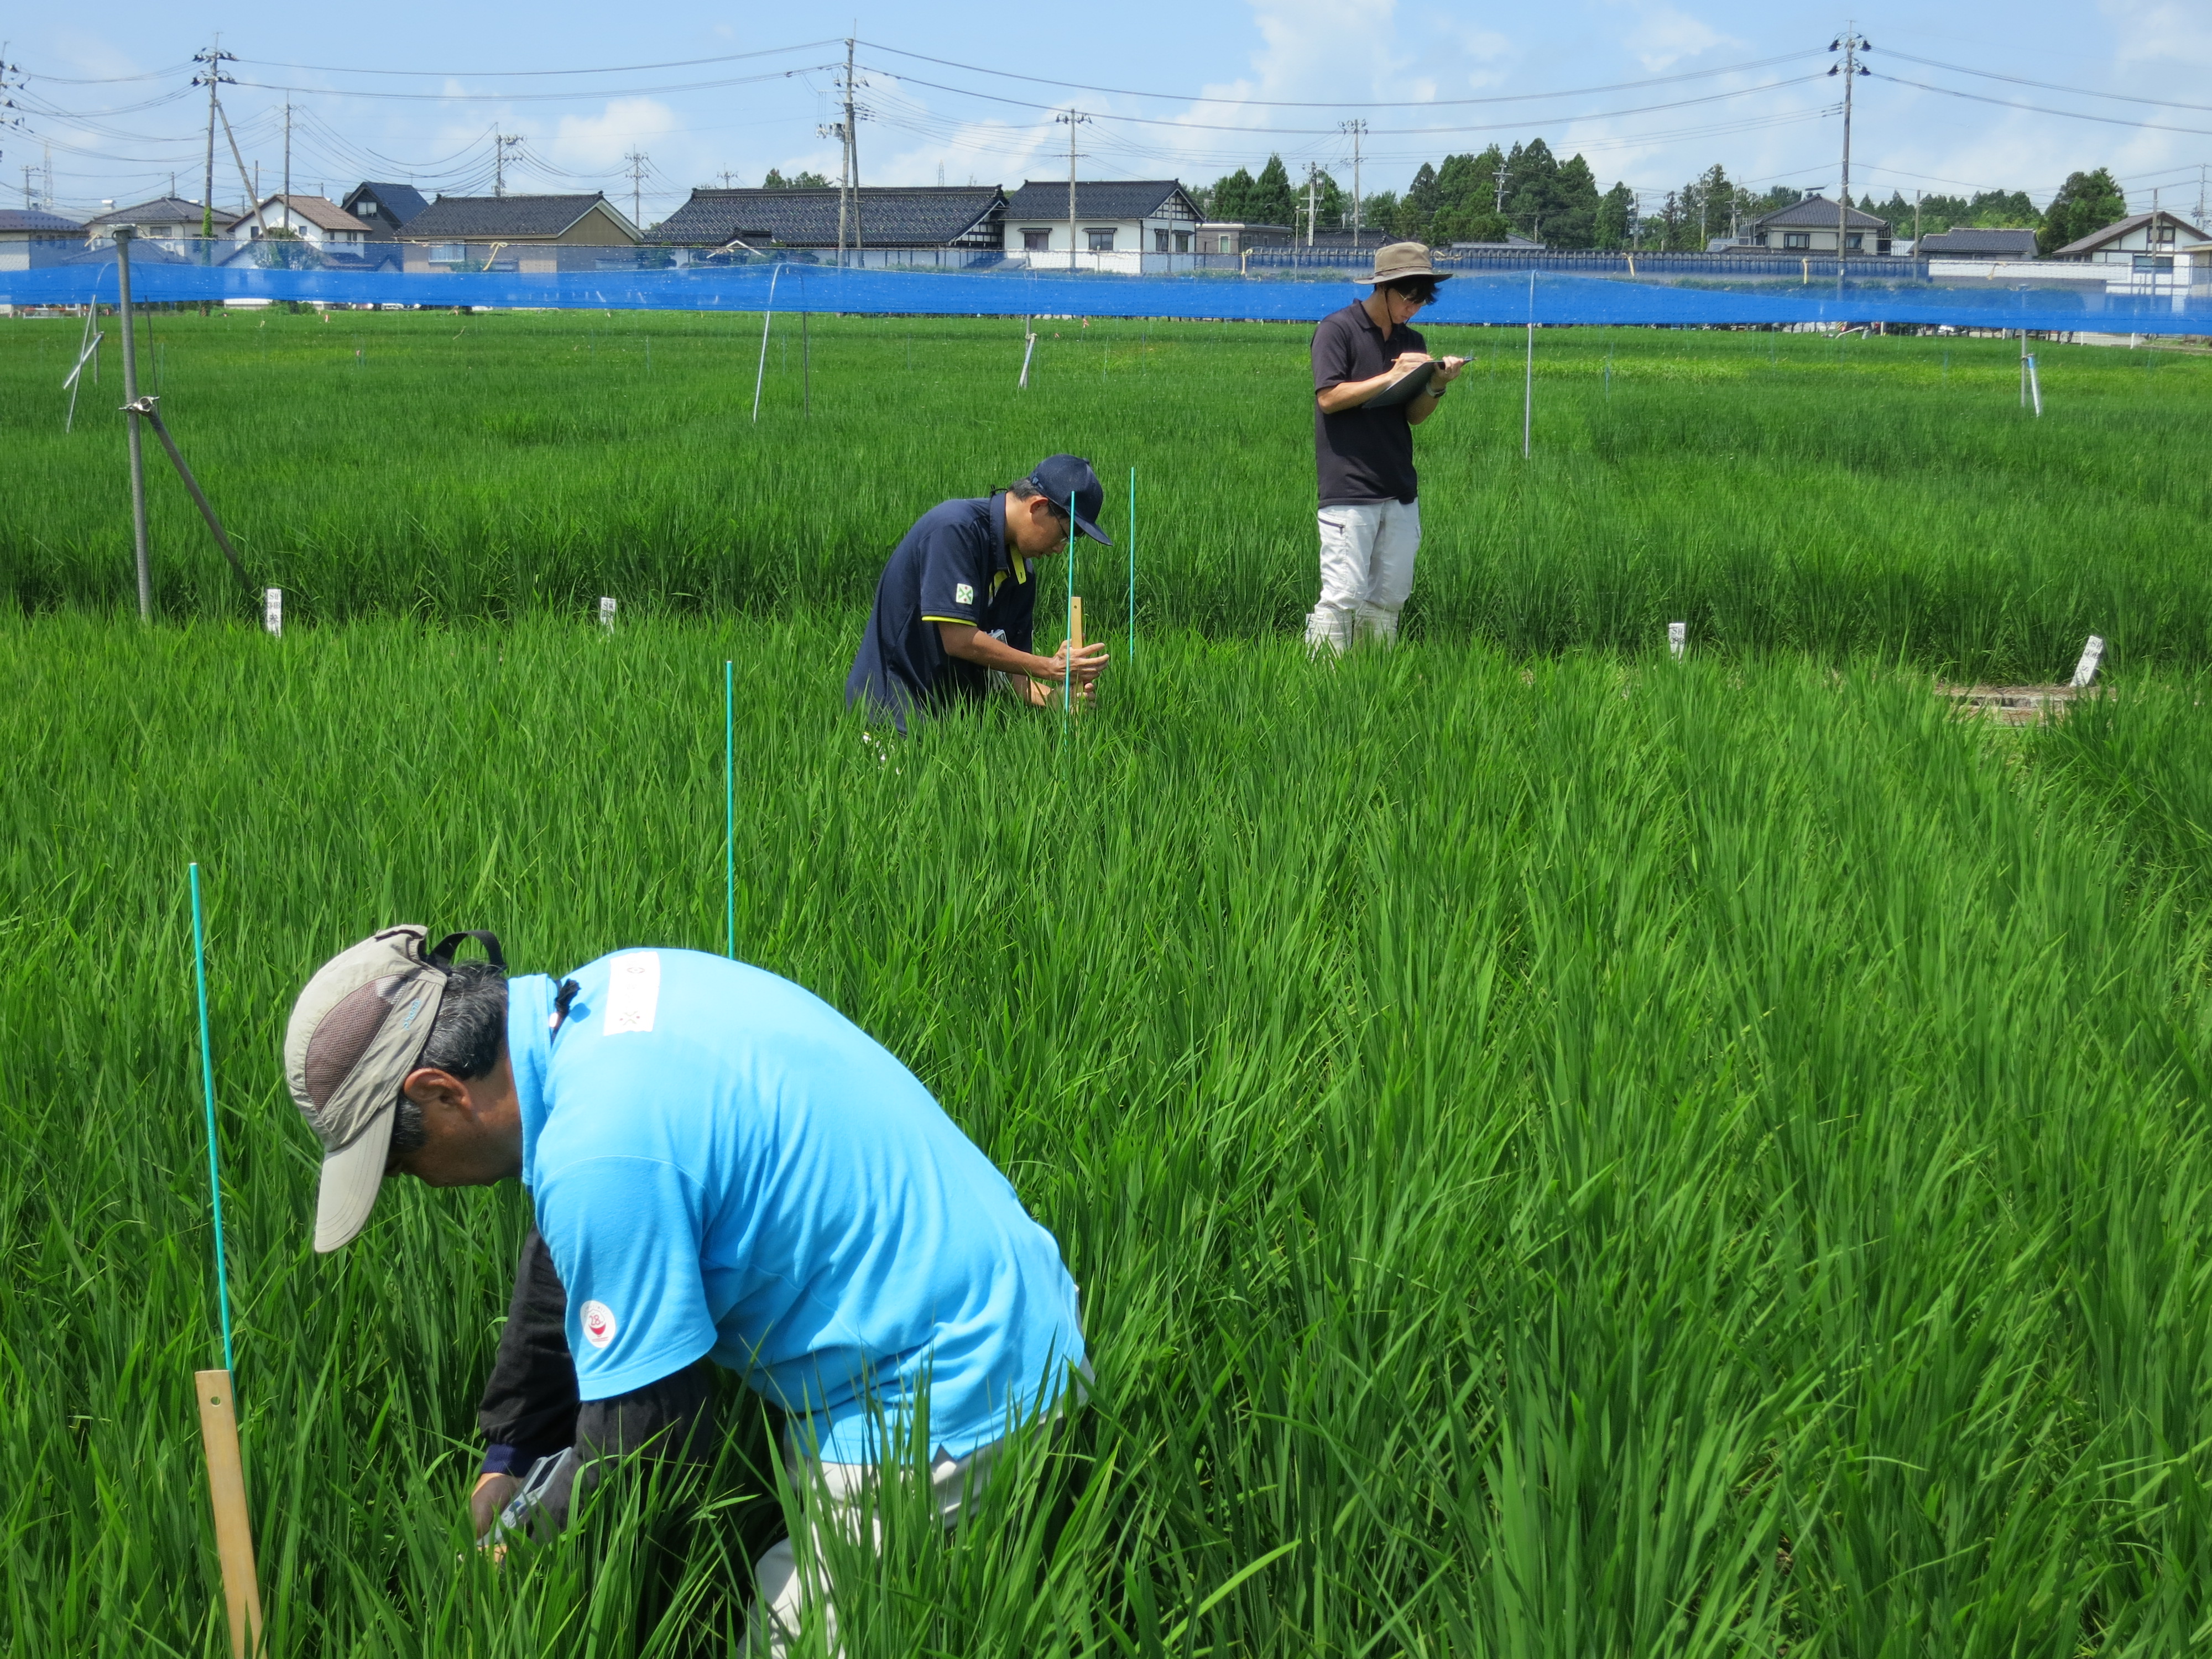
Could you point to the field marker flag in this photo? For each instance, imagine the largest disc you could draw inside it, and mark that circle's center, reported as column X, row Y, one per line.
column 2086, row 670
column 234, row 1530
column 1678, row 638
column 272, row 612
column 606, row 611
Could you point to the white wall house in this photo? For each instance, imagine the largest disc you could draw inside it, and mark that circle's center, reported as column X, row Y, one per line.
column 1811, row 227
column 2145, row 253
column 165, row 219
column 315, row 219
column 1119, row 225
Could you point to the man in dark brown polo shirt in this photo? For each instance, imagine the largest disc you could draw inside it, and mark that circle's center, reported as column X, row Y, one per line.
column 1364, row 421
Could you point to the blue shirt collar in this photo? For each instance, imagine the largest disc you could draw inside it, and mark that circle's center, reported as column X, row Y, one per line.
column 530, row 1050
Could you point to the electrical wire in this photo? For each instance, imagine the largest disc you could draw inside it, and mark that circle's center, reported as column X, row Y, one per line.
column 488, row 74
column 2037, row 109
column 2050, row 86
column 449, row 97
column 1285, row 103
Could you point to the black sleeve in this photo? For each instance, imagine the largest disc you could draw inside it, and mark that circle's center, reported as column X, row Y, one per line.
column 529, row 1405
column 669, row 1422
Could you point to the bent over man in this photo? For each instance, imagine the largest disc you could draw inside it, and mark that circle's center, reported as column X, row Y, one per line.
column 1370, row 514
column 722, row 1168
column 956, row 609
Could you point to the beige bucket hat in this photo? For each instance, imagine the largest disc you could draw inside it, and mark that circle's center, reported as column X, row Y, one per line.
column 1394, row 260
column 355, row 1033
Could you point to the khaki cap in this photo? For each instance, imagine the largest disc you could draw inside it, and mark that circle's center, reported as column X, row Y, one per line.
column 1395, row 259
column 355, row 1032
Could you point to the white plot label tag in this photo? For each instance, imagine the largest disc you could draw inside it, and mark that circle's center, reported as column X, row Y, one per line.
column 633, row 992
column 1677, row 636
column 272, row 612
column 2092, row 654
column 606, row 611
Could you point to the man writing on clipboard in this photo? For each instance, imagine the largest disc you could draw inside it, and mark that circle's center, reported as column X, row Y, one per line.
column 1374, row 382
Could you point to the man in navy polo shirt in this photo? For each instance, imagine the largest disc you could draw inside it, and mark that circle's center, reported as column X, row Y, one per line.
column 956, row 609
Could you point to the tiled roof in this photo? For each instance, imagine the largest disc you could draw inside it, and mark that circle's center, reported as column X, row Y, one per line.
column 487, row 218
column 36, row 222
column 890, row 217
column 318, row 210
column 2120, row 228
column 401, row 203
column 1968, row 239
column 162, row 211
column 1815, row 212
column 1113, row 198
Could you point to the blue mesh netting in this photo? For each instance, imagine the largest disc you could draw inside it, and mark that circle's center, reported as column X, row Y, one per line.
column 1794, row 293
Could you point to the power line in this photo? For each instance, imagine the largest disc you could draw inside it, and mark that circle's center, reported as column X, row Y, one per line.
column 2038, row 109
column 2050, row 86
column 1340, row 103
column 488, row 74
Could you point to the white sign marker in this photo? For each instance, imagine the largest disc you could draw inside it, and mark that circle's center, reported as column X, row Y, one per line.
column 633, row 992
column 2092, row 654
column 606, row 611
column 272, row 612
column 1677, row 636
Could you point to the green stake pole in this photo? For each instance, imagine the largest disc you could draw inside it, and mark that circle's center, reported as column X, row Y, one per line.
column 729, row 808
column 1132, row 566
column 207, row 1087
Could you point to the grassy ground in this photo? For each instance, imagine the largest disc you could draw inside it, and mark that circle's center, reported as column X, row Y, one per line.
column 1564, row 1157
column 1879, row 497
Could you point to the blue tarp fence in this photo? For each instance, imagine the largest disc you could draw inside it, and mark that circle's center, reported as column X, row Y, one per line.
column 1548, row 297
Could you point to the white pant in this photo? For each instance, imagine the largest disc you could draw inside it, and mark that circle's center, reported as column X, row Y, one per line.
column 843, row 1496
column 1367, row 551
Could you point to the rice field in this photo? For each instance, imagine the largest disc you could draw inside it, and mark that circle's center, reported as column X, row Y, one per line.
column 1883, row 496
column 1567, row 1153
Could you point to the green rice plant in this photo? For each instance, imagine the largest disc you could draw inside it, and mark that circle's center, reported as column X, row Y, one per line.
column 1778, row 493
column 1562, row 1156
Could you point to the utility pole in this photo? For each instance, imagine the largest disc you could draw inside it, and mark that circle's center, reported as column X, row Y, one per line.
column 848, row 171
column 637, row 159
column 1073, row 118
column 1358, row 128
column 1313, row 184
column 210, row 76
column 500, row 144
column 725, row 176
column 288, row 166
column 853, row 155
column 1850, row 43
column 1915, row 222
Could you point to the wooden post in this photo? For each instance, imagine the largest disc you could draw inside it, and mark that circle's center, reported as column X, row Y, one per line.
column 233, row 1532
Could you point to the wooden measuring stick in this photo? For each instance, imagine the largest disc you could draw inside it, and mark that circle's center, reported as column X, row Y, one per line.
column 233, row 1533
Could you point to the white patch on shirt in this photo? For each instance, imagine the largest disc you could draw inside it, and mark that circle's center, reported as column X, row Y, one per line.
column 962, row 594
column 633, row 993
column 598, row 1322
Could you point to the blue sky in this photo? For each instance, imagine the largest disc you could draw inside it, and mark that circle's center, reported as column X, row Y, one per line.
column 1190, row 92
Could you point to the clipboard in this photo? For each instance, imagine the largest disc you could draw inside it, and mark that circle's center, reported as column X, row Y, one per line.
column 1405, row 391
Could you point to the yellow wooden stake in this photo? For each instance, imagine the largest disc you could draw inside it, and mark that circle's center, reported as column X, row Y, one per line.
column 233, row 1532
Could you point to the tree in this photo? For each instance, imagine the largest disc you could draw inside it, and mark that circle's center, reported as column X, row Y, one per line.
column 1708, row 203
column 2086, row 202
column 1269, row 201
column 1230, row 198
column 1571, row 222
column 1615, row 219
column 797, row 181
column 1532, row 181
column 1467, row 199
column 1380, row 211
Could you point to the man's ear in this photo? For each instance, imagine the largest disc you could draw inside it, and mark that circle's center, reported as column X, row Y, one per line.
column 436, row 1091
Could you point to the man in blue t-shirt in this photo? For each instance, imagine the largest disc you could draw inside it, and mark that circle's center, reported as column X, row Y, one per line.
column 956, row 608
column 723, row 1168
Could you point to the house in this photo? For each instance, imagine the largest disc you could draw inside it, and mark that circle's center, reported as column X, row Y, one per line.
column 29, row 236
column 940, row 225
column 1125, row 225
column 385, row 209
column 2140, row 241
column 1235, row 236
column 519, row 233
column 315, row 219
column 1809, row 227
column 1983, row 246
column 1515, row 242
column 166, row 219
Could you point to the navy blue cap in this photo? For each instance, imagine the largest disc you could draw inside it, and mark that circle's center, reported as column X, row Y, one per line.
column 1068, row 483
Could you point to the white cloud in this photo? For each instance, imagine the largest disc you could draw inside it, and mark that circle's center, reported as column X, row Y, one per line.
column 597, row 144
column 1664, row 37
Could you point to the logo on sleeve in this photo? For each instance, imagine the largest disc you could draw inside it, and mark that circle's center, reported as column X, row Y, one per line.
column 964, row 593
column 599, row 1323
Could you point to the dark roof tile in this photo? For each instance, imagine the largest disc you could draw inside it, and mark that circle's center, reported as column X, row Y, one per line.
column 1112, row 198
column 890, row 217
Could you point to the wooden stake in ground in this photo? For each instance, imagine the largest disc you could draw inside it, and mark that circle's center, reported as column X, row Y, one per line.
column 1075, row 643
column 234, row 1532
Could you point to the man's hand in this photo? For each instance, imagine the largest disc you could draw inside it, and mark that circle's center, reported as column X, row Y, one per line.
column 1447, row 370
column 1088, row 664
column 493, row 1493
